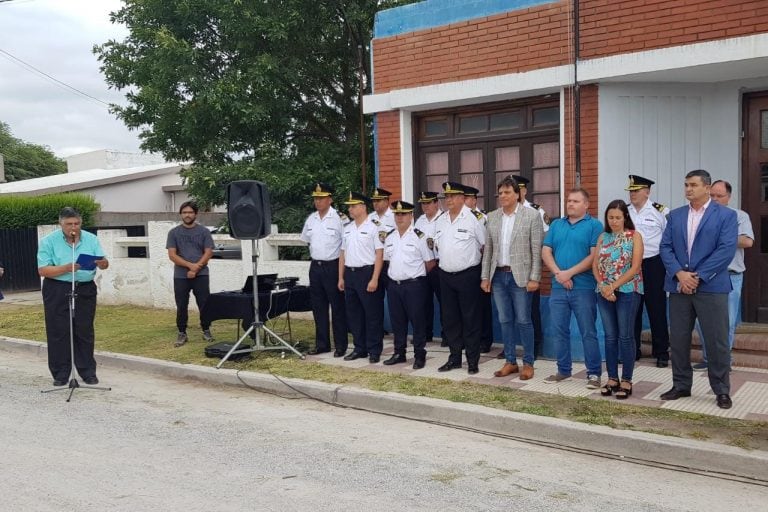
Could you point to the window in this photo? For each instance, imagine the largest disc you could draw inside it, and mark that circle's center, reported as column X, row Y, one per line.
column 480, row 146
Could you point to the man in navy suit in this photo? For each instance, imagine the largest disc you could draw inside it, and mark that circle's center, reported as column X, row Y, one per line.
column 698, row 244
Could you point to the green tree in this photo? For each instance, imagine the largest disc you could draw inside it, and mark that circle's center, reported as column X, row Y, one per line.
column 24, row 160
column 247, row 89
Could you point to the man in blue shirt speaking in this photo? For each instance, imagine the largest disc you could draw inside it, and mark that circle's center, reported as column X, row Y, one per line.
column 55, row 264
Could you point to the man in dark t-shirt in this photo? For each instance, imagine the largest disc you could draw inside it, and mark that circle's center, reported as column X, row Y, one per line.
column 190, row 246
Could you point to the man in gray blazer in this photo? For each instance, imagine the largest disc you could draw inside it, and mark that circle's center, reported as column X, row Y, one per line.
column 512, row 268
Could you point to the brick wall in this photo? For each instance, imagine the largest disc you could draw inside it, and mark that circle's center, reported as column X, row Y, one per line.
column 588, row 144
column 610, row 27
column 511, row 42
column 388, row 129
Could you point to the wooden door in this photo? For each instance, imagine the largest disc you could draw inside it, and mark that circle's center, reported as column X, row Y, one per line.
column 754, row 199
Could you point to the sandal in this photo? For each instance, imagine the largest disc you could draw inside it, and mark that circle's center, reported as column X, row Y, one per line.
column 610, row 387
column 624, row 392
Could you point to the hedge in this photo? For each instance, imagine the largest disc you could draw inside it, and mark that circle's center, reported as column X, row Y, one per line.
column 30, row 211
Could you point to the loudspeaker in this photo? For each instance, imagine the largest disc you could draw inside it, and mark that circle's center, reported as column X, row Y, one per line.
column 248, row 210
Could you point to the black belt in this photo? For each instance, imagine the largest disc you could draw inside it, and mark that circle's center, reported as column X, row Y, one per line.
column 326, row 262
column 460, row 271
column 734, row 273
column 67, row 283
column 359, row 269
column 504, row 268
column 404, row 281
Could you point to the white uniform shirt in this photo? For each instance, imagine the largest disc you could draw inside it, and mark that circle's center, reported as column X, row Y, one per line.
column 507, row 225
column 650, row 222
column 427, row 227
column 459, row 242
column 323, row 235
column 387, row 220
column 386, row 223
column 360, row 244
column 541, row 211
column 407, row 254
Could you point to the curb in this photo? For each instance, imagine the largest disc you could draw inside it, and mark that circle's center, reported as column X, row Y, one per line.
column 674, row 453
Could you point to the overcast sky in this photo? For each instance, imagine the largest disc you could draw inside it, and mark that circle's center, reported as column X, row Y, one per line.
column 56, row 37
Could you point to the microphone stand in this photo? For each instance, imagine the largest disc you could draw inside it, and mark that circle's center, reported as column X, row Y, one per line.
column 73, row 383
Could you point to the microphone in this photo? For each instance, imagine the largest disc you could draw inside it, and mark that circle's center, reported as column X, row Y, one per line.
column 72, row 234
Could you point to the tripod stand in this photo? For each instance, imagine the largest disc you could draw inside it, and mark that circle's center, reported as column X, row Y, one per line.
column 257, row 326
column 73, row 383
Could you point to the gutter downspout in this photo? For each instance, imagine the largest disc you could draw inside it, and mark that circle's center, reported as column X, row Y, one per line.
column 576, row 93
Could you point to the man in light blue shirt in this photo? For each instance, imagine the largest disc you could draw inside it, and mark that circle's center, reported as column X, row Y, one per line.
column 568, row 250
column 57, row 257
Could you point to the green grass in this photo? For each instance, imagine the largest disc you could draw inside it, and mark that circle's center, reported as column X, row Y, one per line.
column 151, row 332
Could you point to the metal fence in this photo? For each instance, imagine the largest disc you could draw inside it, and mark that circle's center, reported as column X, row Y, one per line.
column 18, row 253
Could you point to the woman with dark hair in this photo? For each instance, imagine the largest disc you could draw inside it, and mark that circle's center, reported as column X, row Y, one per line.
column 617, row 269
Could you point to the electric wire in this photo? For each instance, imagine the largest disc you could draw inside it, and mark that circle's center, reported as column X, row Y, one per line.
column 63, row 85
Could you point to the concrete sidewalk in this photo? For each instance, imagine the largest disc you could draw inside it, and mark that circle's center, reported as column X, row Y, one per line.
column 749, row 386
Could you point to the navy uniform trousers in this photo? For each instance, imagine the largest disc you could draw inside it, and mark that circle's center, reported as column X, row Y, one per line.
column 486, row 316
column 324, row 292
column 365, row 310
column 433, row 290
column 460, row 311
column 407, row 304
column 655, row 300
column 56, row 305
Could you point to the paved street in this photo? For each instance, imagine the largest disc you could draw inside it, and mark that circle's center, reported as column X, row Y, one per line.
column 164, row 444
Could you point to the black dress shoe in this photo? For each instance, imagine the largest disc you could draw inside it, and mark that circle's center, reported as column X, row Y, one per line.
column 724, row 401
column 339, row 353
column 92, row 380
column 450, row 365
column 674, row 394
column 316, row 351
column 374, row 359
column 419, row 363
column 485, row 350
column 472, row 369
column 59, row 382
column 662, row 363
column 354, row 355
column 395, row 359
column 501, row 355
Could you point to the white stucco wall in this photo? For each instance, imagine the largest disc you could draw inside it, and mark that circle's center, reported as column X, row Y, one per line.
column 141, row 195
column 662, row 131
column 149, row 281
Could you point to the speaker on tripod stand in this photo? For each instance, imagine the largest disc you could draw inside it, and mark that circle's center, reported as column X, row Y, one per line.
column 249, row 213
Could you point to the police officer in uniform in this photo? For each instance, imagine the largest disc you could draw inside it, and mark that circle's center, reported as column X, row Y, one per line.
column 650, row 220
column 409, row 261
column 486, row 335
column 360, row 264
column 384, row 220
column 535, row 296
column 323, row 232
column 459, row 239
column 426, row 224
